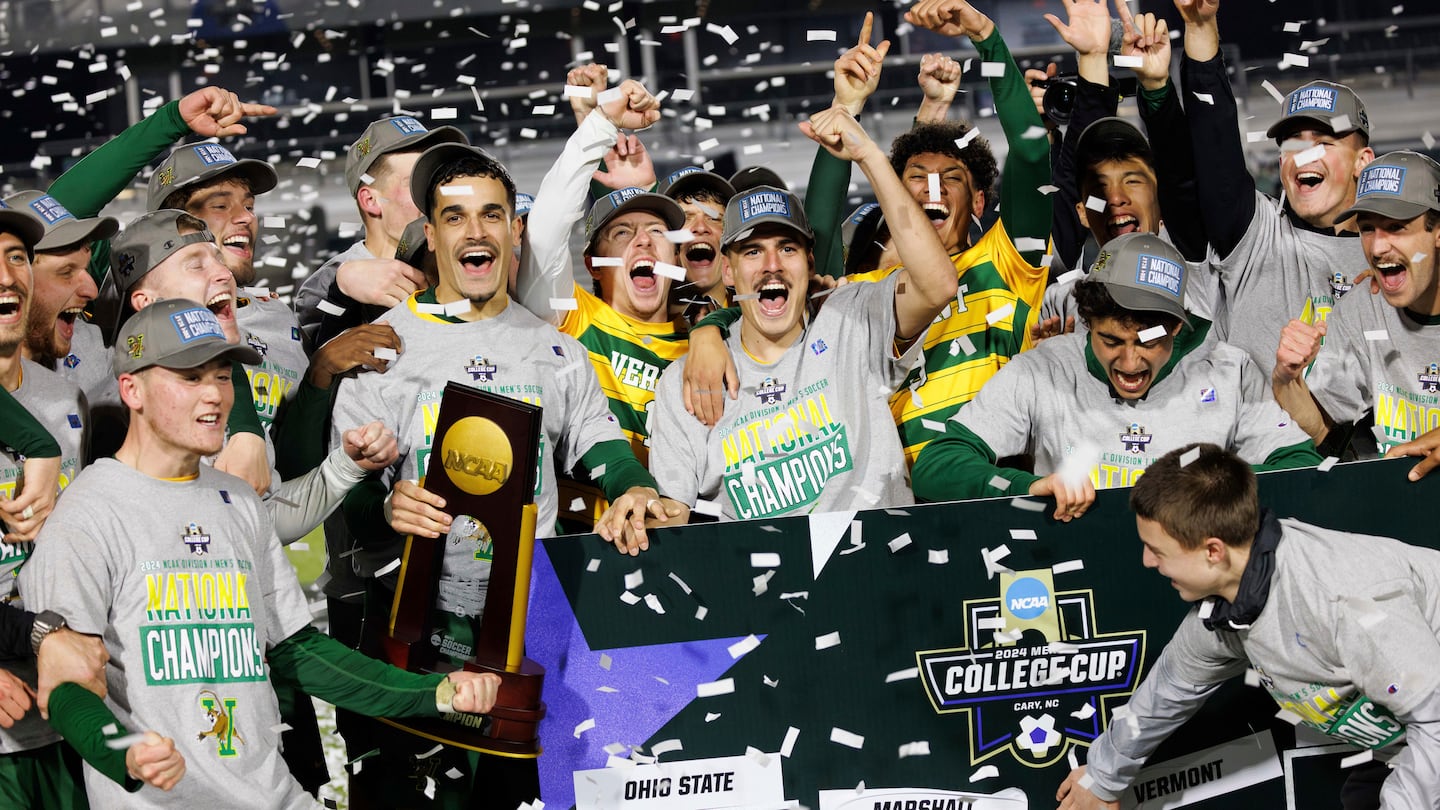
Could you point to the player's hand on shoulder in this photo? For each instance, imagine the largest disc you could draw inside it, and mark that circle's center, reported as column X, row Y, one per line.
column 475, row 692
column 352, row 349
column 412, row 509
column 382, row 282
column 244, row 457
column 709, row 374
column 24, row 515
column 155, row 761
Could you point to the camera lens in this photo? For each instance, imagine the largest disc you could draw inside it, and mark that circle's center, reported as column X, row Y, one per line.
column 1059, row 101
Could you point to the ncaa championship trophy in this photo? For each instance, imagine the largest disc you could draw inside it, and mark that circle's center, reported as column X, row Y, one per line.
column 482, row 463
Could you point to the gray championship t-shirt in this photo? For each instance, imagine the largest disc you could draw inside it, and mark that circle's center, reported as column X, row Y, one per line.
column 317, row 287
column 1047, row 403
column 1278, row 272
column 513, row 354
column 812, row 432
column 270, row 328
column 1382, row 360
column 188, row 593
column 59, row 406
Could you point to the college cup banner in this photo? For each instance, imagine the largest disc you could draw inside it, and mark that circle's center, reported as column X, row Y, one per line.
column 956, row 655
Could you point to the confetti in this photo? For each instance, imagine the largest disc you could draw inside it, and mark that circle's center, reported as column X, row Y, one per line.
column 708, row 144
column 670, row 271
column 725, row 32
column 653, row 602
column 819, row 36
column 1288, row 716
column 388, row 567
column 992, row 70
column 584, row 726
column 308, row 162
column 330, row 308
column 432, row 752
column 964, row 141
column 457, row 308
column 678, row 581
column 666, row 746
column 1153, row 333
column 1000, row 314
column 764, row 559
column 1252, row 678
column 847, row 738
column 1188, row 456
column 1314, row 153
column 984, row 772
column 827, row 641
column 791, row 735
column 629, row 598
column 1034, row 133
column 1025, row 244
column 456, row 191
column 1095, row 204
column 1293, row 27
column 1205, row 97
column 680, row 236
column 724, row 686
column 712, row 716
column 1376, row 334
column 938, row 556
column 1084, row 712
column 903, row 675
column 1022, row 534
column 761, row 583
column 1328, row 464
column 1357, row 759
column 1129, row 61
column 1000, row 483
column 385, row 353
column 1067, row 566
column 123, row 743
column 1275, row 94
column 933, row 180
column 920, row 748
column 743, row 646
column 564, row 304
column 708, row 507
column 541, row 109
column 701, row 612
column 900, row 542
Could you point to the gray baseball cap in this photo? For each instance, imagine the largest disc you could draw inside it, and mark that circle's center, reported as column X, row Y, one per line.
column 523, row 203
column 1400, row 185
column 174, row 333
column 62, row 229
column 761, row 205
column 624, row 201
column 413, row 247
column 1332, row 106
column 149, row 240
column 1111, row 136
column 399, row 134
column 21, row 223
column 1143, row 272
column 197, row 163
column 436, row 158
column 755, row 176
column 682, row 183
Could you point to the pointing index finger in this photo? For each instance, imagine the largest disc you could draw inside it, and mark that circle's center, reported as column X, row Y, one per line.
column 866, row 27
column 1122, row 10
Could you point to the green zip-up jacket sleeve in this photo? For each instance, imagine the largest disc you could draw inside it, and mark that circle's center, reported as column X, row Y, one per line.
column 22, row 432
column 327, row 669
column 960, row 465
column 301, row 425
column 825, row 207
column 1023, row 207
column 721, row 319
column 100, row 176
column 1291, row 457
column 243, row 418
column 81, row 718
column 622, row 469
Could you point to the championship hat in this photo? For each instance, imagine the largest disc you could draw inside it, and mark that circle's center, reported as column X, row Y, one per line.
column 1400, row 185
column 149, row 240
column 523, row 203
column 397, row 134
column 197, row 163
column 1143, row 272
column 1110, row 137
column 762, row 205
column 1332, row 106
column 753, row 176
column 437, row 157
column 174, row 333
column 62, row 229
column 624, row 201
column 21, row 223
column 682, row 183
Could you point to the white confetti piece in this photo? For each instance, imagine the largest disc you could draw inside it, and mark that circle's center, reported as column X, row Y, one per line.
column 764, row 559
column 1207, row 607
column 388, row 567
column 579, row 91
column 743, row 646
column 903, row 675
column 1022, row 534
column 430, row 753
column 827, row 641
column 1205, row 97
column 1252, row 678
column 429, row 787
column 543, row 109
column 900, row 542
column 964, row 141
column 711, row 717
column 384, row 353
column 1095, row 204
column 847, row 738
column 1008, row 636
column 1292, row 27
column 607, row 96
column 769, row 681
column 1357, row 759
column 457, row 308
column 931, row 424
column 819, row 36
column 984, row 772
column 1129, row 61
column 725, row 32
column 456, row 191
column 653, row 602
column 1427, row 139
column 701, row 612
column 1328, row 464
column 634, row 579
column 1025, row 244
column 1298, row 60
column 1034, row 133
column 1084, row 712
column 1189, row 456
column 1002, row 484
column 666, row 746
column 1376, row 334
column 609, row 690
column 1000, row 314
column 761, row 583
column 919, row 748
column 671, row 271
column 1256, row 136
column 629, row 598
column 330, row 308
column 564, row 304
column 724, row 686
column 788, row 746
column 123, row 743
column 933, row 185
column 1314, row 153
column 1275, row 94
column 938, row 556
column 454, row 773
column 1288, row 716
column 1067, row 566
column 708, row 507
column 678, row 581
column 1153, row 333
column 992, row 70
column 992, row 623
column 445, row 114
column 708, row 144
column 308, row 162
column 584, row 726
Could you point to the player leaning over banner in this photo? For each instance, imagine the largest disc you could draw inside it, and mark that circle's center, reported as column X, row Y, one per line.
column 812, row 431
column 1273, row 598
column 1146, row 377
column 201, row 561
column 1381, row 357
column 1000, row 282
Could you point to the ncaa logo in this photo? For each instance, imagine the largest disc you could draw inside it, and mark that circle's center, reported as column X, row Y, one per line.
column 1027, row 598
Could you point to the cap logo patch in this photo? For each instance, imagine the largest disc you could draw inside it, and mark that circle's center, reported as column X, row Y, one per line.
column 135, row 345
column 862, row 212
column 1161, row 273
column 196, row 324
column 676, row 175
column 407, row 125
column 1381, row 180
column 3, row 205
column 166, row 176
column 213, row 154
column 126, row 264
column 1312, row 98
column 363, row 146
column 617, row 198
column 50, row 209
column 763, row 203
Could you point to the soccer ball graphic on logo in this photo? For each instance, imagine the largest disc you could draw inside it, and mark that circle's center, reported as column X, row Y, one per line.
column 1037, row 736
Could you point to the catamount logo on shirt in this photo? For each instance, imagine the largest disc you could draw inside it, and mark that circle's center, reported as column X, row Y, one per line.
column 220, row 713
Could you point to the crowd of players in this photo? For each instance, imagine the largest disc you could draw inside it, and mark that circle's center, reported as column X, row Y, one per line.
column 742, row 354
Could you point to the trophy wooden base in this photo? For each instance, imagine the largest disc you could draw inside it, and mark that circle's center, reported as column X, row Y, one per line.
column 511, row 729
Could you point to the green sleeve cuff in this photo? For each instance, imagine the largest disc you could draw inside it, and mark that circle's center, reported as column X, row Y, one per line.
column 622, row 470
column 1153, row 99
column 961, row 465
column 299, row 430
column 81, row 717
column 22, row 431
column 1291, row 457
column 721, row 319
column 243, row 418
column 327, row 669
